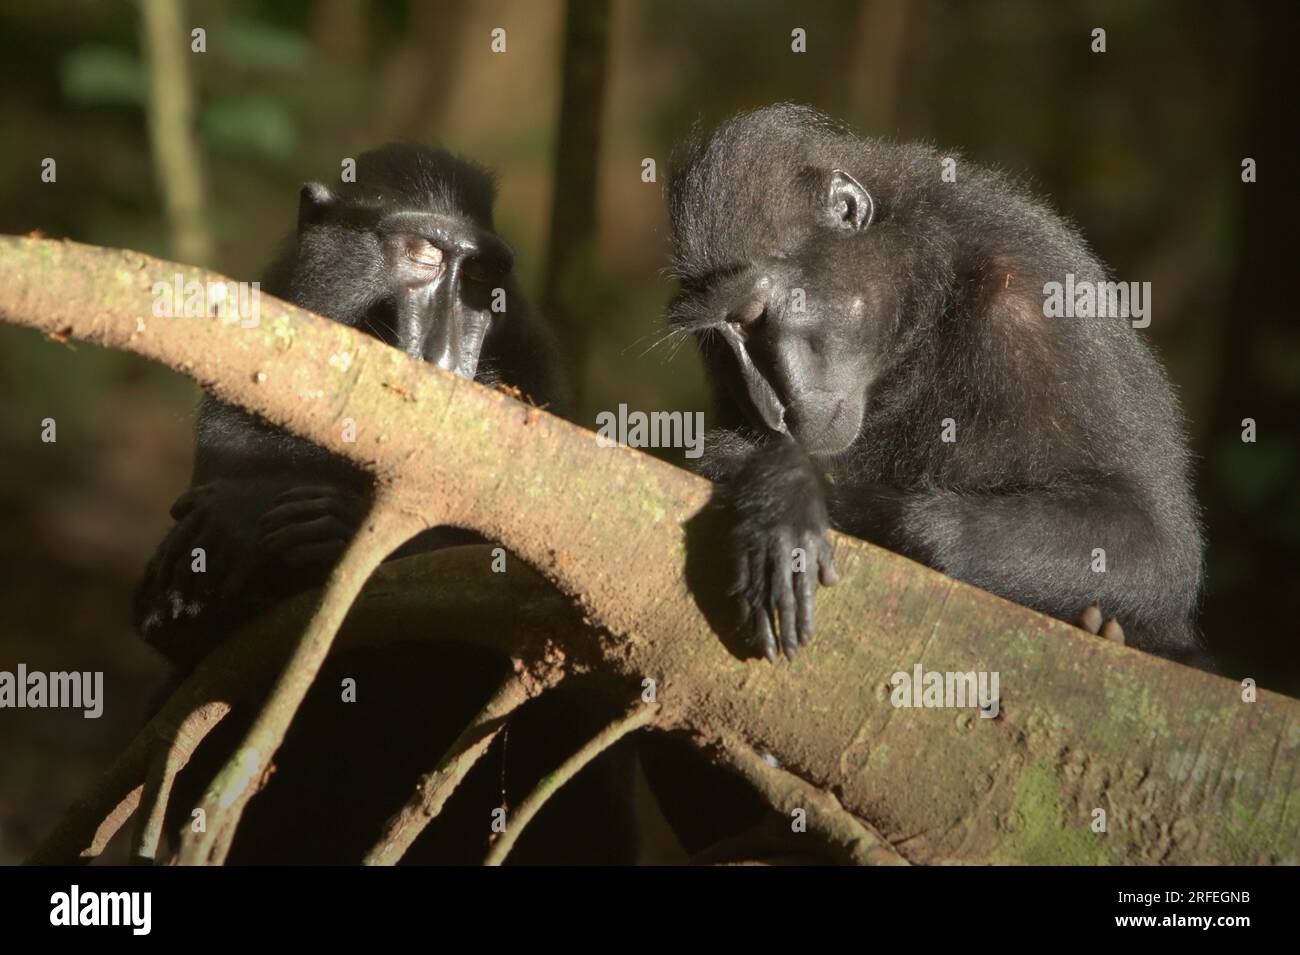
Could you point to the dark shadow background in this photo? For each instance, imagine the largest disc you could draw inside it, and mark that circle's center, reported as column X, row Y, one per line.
column 1141, row 145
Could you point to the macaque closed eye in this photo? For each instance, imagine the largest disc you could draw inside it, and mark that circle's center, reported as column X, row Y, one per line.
column 696, row 284
column 423, row 252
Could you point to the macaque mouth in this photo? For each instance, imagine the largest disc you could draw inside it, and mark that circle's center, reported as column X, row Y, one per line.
column 825, row 439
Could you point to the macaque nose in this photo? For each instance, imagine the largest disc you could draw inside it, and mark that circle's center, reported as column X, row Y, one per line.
column 749, row 309
column 443, row 346
column 457, row 362
column 452, row 353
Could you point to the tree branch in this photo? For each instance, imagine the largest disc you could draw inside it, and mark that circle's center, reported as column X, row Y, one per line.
column 435, row 787
column 441, row 595
column 1186, row 771
column 786, row 792
column 223, row 804
column 641, row 714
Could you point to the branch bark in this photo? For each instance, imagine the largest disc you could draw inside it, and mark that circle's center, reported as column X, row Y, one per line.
column 1186, row 771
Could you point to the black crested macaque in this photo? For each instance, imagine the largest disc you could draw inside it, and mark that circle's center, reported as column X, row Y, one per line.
column 409, row 254
column 882, row 364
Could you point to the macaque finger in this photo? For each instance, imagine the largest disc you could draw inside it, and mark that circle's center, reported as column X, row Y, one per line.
column 827, row 572
column 322, row 528
column 1090, row 619
column 782, row 601
column 1113, row 632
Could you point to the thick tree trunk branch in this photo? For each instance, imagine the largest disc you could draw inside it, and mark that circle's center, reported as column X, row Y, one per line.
column 1185, row 770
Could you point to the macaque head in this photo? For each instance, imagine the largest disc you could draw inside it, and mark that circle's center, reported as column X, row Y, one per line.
column 787, row 264
column 407, row 253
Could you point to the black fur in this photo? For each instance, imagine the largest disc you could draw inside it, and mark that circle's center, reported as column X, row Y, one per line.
column 924, row 301
column 272, row 511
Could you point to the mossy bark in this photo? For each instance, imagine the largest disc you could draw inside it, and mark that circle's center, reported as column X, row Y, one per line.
column 1184, row 769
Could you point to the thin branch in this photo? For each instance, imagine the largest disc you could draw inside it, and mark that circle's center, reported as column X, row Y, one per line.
column 171, row 753
column 90, row 824
column 435, row 787
column 638, row 716
column 786, row 793
column 157, row 794
column 435, row 596
column 223, row 804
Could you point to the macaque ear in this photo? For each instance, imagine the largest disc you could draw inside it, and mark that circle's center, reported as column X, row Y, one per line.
column 848, row 204
column 313, row 200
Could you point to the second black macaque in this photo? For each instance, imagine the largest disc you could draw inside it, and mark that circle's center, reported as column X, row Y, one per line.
column 882, row 361
column 407, row 253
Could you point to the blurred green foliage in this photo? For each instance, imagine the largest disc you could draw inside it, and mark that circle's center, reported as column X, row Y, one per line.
column 96, row 75
column 250, row 123
column 251, row 44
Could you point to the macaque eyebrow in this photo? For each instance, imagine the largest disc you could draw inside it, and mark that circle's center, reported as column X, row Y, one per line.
column 700, row 281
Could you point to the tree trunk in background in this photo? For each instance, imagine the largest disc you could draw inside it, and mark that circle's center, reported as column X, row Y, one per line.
column 177, row 160
column 420, row 77
column 875, row 73
column 1251, row 488
column 573, row 203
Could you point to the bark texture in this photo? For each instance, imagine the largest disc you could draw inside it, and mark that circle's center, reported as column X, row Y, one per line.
column 1184, row 769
